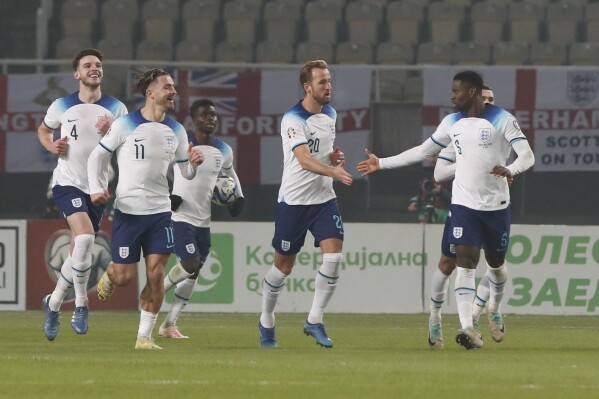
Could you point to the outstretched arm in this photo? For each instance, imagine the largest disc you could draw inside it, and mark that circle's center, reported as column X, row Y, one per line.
column 302, row 153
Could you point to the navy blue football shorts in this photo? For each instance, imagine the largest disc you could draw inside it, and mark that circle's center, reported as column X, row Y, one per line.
column 69, row 200
column 133, row 233
column 191, row 241
column 487, row 229
column 292, row 222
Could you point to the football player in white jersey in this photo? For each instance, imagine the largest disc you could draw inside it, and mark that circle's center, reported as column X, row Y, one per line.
column 307, row 201
column 83, row 118
column 146, row 142
column 482, row 137
column 191, row 204
column 445, row 170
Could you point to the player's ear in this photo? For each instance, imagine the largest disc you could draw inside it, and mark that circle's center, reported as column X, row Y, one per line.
column 76, row 75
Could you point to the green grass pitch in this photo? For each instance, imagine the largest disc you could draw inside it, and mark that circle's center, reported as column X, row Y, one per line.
column 375, row 356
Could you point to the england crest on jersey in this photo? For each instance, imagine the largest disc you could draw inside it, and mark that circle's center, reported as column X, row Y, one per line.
column 77, row 202
column 169, row 144
column 285, row 245
column 484, row 134
column 123, row 252
column 457, row 232
column 190, row 248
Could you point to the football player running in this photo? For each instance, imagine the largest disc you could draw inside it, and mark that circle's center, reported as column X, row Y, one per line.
column 191, row 205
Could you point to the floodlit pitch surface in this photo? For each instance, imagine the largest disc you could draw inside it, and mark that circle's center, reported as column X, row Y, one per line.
column 375, row 356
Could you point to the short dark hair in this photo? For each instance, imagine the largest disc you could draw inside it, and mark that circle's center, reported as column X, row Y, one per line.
column 472, row 78
column 202, row 102
column 306, row 72
column 85, row 53
column 485, row 87
column 145, row 79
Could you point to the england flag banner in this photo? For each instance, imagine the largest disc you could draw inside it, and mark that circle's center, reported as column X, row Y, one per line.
column 556, row 107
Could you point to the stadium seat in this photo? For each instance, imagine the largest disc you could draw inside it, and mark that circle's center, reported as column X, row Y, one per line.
column 472, row 53
column 191, row 50
column 275, row 52
column 435, row 53
column 563, row 20
column 547, row 53
column 404, row 20
column 159, row 17
column 322, row 21
column 307, row 51
column 281, row 21
column 510, row 53
column 445, row 22
column 499, row 2
column 395, row 53
column 540, row 3
column 68, row 47
column 525, row 22
column 77, row 18
column 119, row 19
column 488, row 22
column 354, row 53
column 591, row 21
column 154, row 50
column 583, row 54
column 199, row 18
column 116, row 49
column 241, row 19
column 362, row 19
column 116, row 75
column 234, row 52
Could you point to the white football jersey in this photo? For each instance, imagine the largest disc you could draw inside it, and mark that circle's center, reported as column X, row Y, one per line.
column 480, row 144
column 197, row 192
column 317, row 131
column 77, row 121
column 144, row 151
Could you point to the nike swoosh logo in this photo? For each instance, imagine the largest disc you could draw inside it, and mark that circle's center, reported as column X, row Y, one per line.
column 456, row 135
column 80, row 276
column 462, row 293
column 72, row 120
column 170, row 246
column 312, row 133
column 138, row 140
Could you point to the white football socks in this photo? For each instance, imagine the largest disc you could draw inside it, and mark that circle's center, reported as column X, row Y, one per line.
column 439, row 284
column 324, row 286
column 175, row 276
column 81, row 259
column 274, row 281
column 147, row 321
column 497, row 278
column 63, row 285
column 482, row 296
column 183, row 293
column 464, row 295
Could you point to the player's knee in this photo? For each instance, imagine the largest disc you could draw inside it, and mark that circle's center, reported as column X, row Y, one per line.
column 193, row 265
column 447, row 265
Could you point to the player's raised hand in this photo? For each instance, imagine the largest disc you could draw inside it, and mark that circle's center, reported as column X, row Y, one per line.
column 103, row 124
column 342, row 175
column 369, row 165
column 336, row 156
column 60, row 146
column 195, row 155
